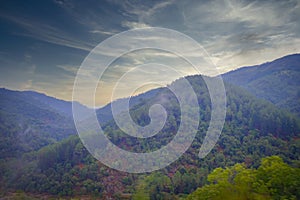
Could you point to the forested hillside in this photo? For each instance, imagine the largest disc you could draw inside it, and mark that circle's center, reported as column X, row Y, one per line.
column 253, row 129
column 104, row 113
column 277, row 81
column 28, row 124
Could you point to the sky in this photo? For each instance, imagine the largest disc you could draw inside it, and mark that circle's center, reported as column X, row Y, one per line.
column 43, row 43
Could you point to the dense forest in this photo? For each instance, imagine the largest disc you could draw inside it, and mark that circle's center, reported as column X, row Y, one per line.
column 277, row 81
column 27, row 124
column 273, row 179
column 254, row 129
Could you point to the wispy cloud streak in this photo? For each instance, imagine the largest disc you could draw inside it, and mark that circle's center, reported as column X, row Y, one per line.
column 47, row 33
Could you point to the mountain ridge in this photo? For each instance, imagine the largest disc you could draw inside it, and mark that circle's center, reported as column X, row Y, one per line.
column 254, row 128
column 62, row 109
column 276, row 81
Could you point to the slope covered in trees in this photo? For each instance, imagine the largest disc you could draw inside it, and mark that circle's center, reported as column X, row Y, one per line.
column 277, row 81
column 253, row 129
column 10, row 99
column 28, row 124
column 104, row 113
column 31, row 120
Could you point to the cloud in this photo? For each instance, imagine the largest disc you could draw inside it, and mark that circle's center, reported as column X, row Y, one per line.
column 20, row 78
column 232, row 30
column 234, row 33
column 47, row 33
column 96, row 17
column 133, row 25
column 142, row 10
column 27, row 85
column 102, row 32
column 71, row 69
column 59, row 88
